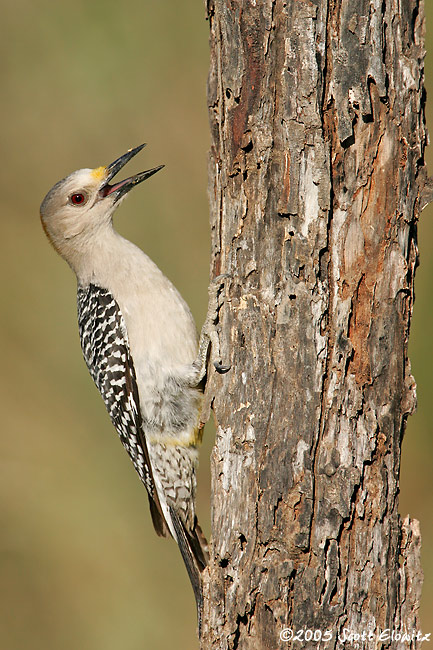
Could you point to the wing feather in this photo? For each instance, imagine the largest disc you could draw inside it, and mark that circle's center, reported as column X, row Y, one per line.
column 105, row 346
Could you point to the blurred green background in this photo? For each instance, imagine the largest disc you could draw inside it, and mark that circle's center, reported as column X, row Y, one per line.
column 80, row 564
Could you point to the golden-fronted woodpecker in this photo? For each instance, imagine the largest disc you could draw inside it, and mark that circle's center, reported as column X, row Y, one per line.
column 140, row 345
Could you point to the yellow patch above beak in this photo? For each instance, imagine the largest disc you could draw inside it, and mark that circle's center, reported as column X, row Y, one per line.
column 99, row 173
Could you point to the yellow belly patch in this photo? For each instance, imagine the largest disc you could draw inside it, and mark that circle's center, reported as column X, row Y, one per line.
column 185, row 440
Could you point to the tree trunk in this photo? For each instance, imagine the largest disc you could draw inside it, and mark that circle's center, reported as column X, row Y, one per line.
column 316, row 181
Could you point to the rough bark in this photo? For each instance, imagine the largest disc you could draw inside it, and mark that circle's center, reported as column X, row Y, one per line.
column 316, row 179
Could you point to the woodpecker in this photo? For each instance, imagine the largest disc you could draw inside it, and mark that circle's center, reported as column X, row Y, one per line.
column 141, row 347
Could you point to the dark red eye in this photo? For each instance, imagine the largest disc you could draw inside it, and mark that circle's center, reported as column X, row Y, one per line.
column 77, row 199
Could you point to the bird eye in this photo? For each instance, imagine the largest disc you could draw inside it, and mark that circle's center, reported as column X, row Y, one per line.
column 78, row 199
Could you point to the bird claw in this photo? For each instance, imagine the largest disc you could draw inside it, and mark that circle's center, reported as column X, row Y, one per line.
column 220, row 368
column 209, row 335
column 214, row 290
column 217, row 282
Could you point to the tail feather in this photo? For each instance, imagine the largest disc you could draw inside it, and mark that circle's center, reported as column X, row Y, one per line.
column 158, row 520
column 194, row 555
column 199, row 545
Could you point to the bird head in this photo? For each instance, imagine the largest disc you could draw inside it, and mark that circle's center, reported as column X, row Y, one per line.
column 83, row 202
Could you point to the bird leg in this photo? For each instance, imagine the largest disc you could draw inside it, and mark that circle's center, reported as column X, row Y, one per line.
column 209, row 336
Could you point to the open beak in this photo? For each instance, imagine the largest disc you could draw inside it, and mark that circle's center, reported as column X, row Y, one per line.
column 120, row 189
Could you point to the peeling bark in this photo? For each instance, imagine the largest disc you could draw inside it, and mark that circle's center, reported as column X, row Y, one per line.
column 316, row 180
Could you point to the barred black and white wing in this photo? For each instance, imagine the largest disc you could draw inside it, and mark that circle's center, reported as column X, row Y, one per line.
column 105, row 346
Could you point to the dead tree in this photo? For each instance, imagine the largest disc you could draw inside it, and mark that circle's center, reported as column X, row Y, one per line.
column 316, row 182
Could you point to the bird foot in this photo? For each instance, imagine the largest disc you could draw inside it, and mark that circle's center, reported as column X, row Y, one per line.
column 209, row 335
